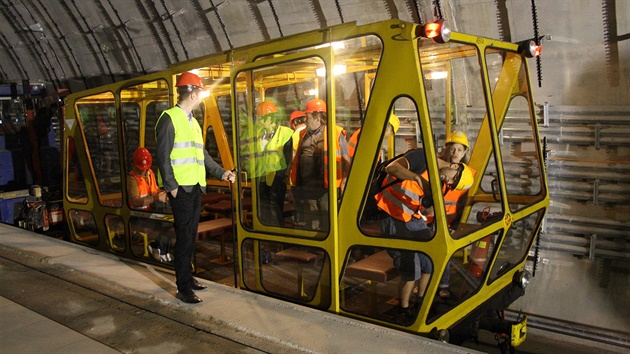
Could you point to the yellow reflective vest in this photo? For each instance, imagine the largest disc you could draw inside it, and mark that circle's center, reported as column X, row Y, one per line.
column 187, row 158
column 261, row 160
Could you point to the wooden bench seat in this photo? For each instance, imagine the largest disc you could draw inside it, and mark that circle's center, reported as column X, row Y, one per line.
column 301, row 257
column 214, row 197
column 296, row 255
column 378, row 267
column 216, row 227
column 224, row 207
column 213, row 228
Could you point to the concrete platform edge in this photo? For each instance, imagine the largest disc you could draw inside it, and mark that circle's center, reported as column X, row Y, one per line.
column 245, row 317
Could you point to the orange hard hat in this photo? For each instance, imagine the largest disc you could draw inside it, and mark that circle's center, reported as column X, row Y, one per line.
column 187, row 78
column 315, row 105
column 295, row 115
column 142, row 159
column 266, row 107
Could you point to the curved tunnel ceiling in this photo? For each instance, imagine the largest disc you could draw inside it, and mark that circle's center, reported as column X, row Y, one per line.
column 80, row 44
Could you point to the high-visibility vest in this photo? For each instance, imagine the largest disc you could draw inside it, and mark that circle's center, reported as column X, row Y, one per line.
column 352, row 142
column 338, row 158
column 452, row 197
column 187, row 158
column 260, row 161
column 296, row 138
column 146, row 186
column 401, row 200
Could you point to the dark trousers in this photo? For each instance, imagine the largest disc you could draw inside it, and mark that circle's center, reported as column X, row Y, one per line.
column 272, row 201
column 186, row 209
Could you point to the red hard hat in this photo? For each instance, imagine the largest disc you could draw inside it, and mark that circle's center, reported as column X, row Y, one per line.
column 295, row 115
column 316, row 105
column 142, row 159
column 266, row 107
column 188, row 78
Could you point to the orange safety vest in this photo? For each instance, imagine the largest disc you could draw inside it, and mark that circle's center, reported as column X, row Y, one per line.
column 452, row 196
column 145, row 187
column 352, row 142
column 296, row 159
column 402, row 201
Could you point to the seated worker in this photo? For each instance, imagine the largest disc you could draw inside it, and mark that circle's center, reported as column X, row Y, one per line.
column 143, row 191
column 392, row 128
column 309, row 170
column 404, row 203
column 266, row 157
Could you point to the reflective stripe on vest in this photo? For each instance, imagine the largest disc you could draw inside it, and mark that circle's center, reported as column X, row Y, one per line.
column 402, row 200
column 146, row 186
column 187, row 158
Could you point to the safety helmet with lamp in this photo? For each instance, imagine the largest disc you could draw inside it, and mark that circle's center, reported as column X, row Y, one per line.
column 315, row 105
column 190, row 80
column 142, row 159
column 395, row 122
column 457, row 137
column 266, row 107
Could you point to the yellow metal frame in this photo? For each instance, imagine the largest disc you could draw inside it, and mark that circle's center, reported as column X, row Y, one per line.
column 398, row 74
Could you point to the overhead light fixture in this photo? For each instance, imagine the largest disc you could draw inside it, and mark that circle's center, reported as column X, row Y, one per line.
column 337, row 70
column 437, row 75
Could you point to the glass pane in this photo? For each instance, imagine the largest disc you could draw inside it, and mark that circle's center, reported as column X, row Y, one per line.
column 464, row 275
column 84, row 226
column 516, row 244
column 266, row 146
column 489, row 209
column 290, row 270
column 457, row 107
column 223, row 104
column 131, row 123
column 153, row 112
column 152, row 239
column 287, row 270
column 76, row 188
column 249, row 263
column 116, row 235
column 353, row 83
column 98, row 120
column 141, row 178
column 519, row 147
column 371, row 279
column 388, row 193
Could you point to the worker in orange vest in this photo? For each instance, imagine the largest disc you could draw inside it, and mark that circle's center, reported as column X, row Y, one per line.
column 309, row 169
column 143, row 191
column 405, row 200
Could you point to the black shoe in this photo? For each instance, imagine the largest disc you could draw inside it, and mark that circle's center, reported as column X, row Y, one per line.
column 196, row 285
column 189, row 298
column 406, row 316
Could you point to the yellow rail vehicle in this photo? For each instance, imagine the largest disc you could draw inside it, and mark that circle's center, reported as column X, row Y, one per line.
column 342, row 262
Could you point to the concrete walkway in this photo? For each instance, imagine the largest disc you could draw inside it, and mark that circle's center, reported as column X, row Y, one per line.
column 251, row 319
